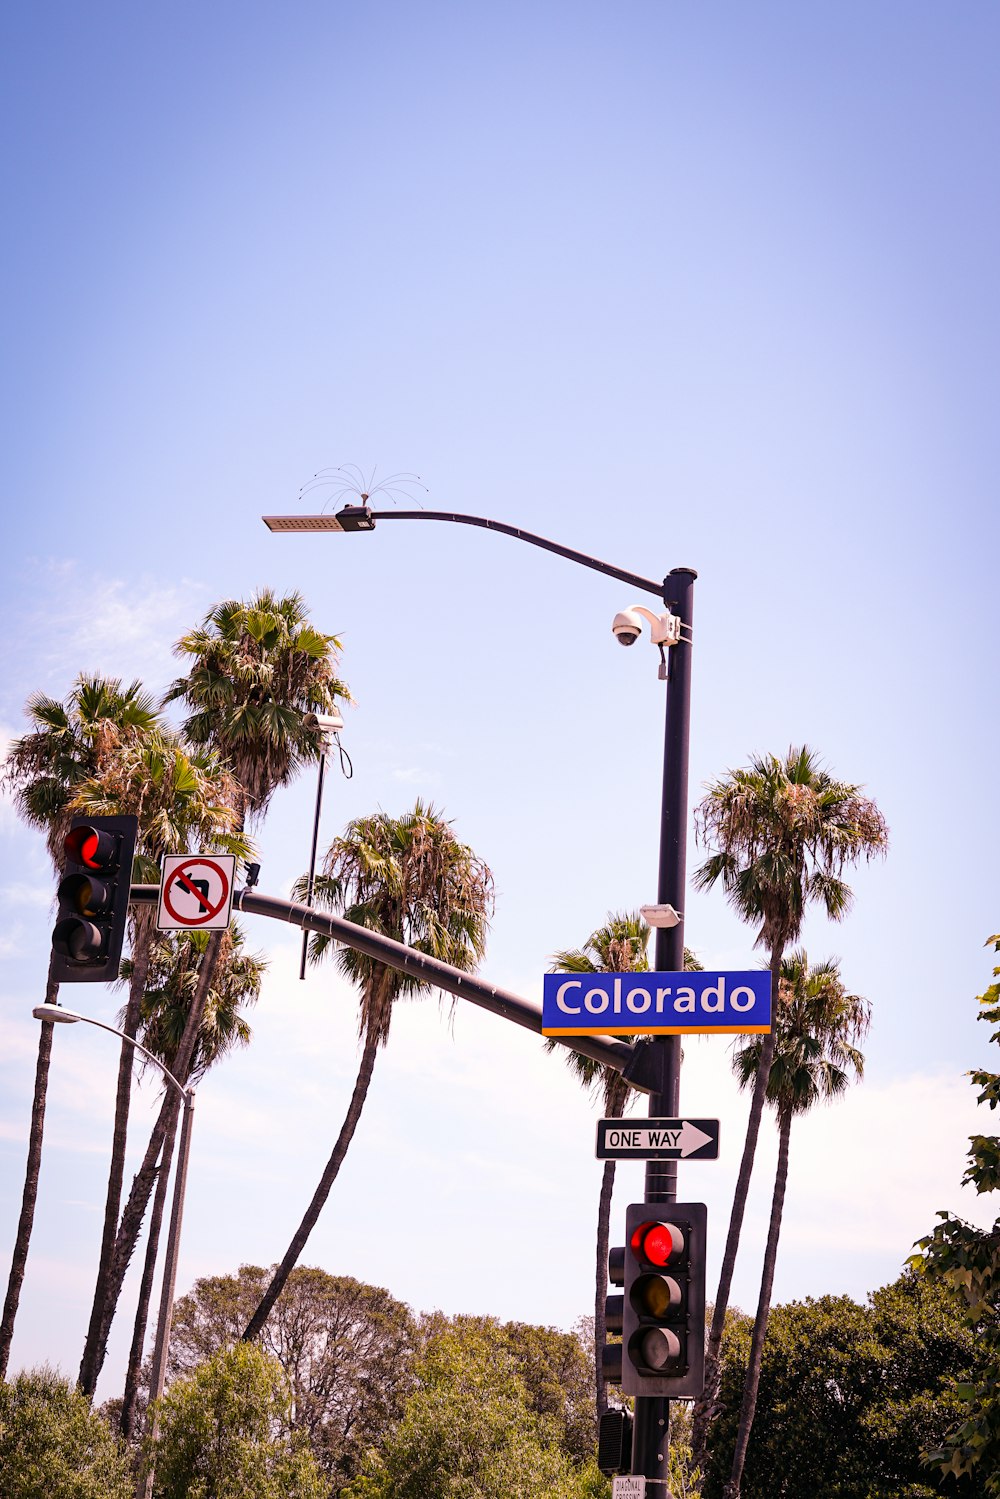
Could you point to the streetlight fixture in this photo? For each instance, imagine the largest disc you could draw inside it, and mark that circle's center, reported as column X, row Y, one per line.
column 59, row 1015
column 672, row 629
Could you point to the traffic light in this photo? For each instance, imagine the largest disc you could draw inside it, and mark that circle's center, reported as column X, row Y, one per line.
column 614, row 1442
column 611, row 1354
column 93, row 899
column 663, row 1309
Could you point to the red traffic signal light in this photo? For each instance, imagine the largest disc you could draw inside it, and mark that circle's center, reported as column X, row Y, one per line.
column 663, row 1316
column 91, row 846
column 94, row 893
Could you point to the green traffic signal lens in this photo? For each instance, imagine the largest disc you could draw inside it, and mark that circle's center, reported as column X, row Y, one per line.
column 660, row 1349
column 80, row 941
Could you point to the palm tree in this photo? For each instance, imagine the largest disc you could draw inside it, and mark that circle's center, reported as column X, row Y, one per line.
column 620, row 946
column 260, row 674
column 815, row 1031
column 782, row 832
column 68, row 742
column 184, row 801
column 408, row 878
column 170, row 987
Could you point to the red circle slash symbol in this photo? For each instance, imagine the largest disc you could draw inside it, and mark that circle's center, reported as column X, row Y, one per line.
column 208, row 911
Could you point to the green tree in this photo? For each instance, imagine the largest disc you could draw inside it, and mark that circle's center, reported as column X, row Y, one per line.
column 347, row 1350
column 813, row 1035
column 68, row 743
column 619, row 946
column 183, row 801
column 968, row 1259
column 172, row 980
column 553, row 1367
column 782, row 832
column 410, row 879
column 469, row 1431
column 259, row 674
column 225, row 1433
column 849, row 1394
column 53, row 1446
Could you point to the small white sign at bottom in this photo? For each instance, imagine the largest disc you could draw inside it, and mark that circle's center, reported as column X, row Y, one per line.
column 628, row 1487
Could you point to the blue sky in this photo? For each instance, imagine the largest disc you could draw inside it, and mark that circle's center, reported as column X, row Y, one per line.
column 671, row 284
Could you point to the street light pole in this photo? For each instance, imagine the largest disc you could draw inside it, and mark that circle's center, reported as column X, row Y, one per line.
column 63, row 1016
column 651, row 1433
column 651, row 1419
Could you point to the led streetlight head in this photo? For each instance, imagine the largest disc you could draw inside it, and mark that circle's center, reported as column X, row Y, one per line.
column 351, row 518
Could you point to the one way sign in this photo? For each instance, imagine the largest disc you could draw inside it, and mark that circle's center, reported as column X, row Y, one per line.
column 658, row 1139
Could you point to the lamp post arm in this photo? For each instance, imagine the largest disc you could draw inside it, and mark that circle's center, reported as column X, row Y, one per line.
column 646, row 584
column 89, row 1020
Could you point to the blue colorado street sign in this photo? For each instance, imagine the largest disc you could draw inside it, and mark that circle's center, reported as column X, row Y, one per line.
column 656, row 1004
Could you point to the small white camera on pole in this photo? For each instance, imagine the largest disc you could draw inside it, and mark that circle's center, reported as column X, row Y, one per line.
column 664, row 630
column 327, row 723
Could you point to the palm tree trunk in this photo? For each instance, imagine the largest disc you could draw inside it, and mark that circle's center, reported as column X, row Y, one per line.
column 614, row 1107
column 127, row 1419
column 322, row 1192
column 31, row 1173
column 141, row 946
column 705, row 1408
column 752, row 1383
column 603, row 1240
column 138, row 1199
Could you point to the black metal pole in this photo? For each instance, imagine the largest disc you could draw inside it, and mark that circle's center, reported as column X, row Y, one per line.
column 651, row 1430
column 312, row 858
column 162, row 1346
column 659, row 1063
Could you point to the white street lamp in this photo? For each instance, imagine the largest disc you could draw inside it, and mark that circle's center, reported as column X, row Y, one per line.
column 58, row 1014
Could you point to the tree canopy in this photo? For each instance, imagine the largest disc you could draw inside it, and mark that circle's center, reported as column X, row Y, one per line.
column 968, row 1259
column 346, row 1348
column 472, row 1429
column 225, row 1433
column 849, row 1396
column 53, row 1446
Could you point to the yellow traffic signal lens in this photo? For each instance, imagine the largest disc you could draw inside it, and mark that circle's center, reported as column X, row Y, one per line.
column 656, row 1295
column 88, row 896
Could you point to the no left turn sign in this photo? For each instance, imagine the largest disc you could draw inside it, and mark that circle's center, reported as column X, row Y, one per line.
column 196, row 890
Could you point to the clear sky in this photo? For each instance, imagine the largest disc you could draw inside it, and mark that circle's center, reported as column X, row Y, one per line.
column 672, row 284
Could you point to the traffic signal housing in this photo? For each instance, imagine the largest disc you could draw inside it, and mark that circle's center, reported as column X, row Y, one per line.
column 94, row 893
column 614, row 1311
column 614, row 1442
column 663, row 1308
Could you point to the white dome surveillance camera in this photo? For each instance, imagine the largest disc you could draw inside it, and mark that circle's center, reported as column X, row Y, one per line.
column 664, row 629
column 627, row 627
